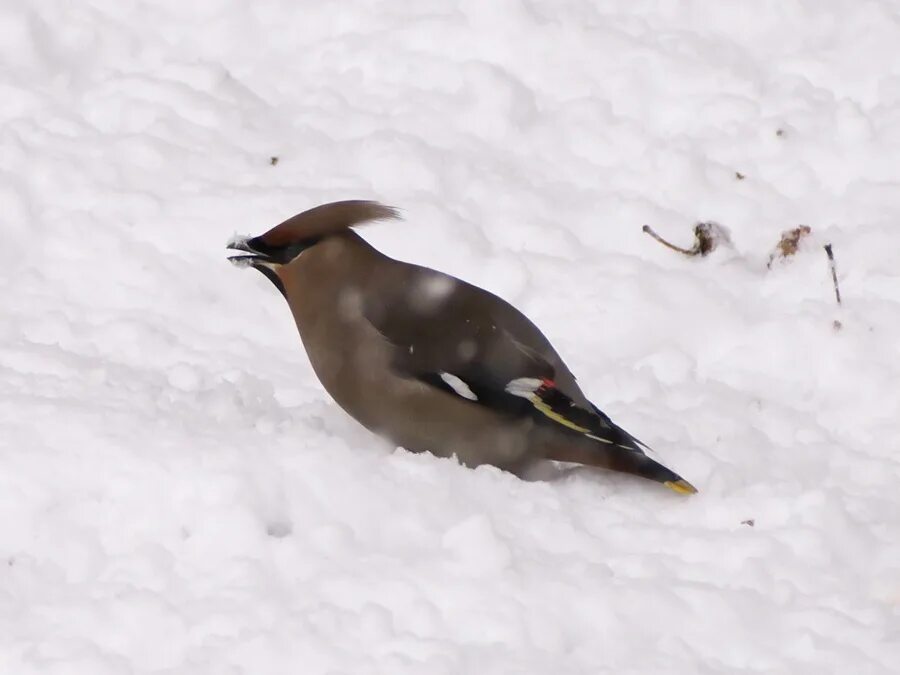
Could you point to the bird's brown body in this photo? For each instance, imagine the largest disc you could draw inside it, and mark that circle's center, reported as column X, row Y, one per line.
column 429, row 361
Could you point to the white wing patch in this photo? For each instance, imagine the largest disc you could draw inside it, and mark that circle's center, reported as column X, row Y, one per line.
column 524, row 387
column 457, row 385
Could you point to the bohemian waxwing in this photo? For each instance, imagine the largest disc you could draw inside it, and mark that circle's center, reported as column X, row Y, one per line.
column 429, row 361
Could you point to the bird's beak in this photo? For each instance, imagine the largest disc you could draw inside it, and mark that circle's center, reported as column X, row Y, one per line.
column 256, row 257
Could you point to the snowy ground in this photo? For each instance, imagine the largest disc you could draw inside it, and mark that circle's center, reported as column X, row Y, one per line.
column 177, row 493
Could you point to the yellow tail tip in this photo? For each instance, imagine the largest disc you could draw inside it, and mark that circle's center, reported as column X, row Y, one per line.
column 681, row 486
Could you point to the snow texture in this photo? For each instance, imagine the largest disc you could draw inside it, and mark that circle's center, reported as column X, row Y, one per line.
column 179, row 495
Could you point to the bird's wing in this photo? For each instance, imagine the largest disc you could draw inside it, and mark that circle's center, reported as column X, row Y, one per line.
column 474, row 345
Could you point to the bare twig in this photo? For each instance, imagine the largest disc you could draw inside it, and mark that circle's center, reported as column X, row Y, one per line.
column 649, row 230
column 707, row 236
column 830, row 254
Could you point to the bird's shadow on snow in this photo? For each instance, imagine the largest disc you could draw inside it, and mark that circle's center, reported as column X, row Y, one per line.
column 611, row 481
column 553, row 472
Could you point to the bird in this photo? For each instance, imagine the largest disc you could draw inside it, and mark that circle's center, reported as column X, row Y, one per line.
column 429, row 361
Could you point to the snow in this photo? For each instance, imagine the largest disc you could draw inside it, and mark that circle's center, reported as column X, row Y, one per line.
column 178, row 494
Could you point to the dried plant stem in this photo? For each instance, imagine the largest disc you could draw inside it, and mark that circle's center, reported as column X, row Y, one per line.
column 649, row 230
column 790, row 242
column 830, row 254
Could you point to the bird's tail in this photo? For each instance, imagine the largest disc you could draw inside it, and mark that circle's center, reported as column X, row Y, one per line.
column 589, row 436
column 581, row 451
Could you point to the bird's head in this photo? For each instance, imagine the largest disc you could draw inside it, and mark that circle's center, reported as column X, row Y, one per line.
column 269, row 253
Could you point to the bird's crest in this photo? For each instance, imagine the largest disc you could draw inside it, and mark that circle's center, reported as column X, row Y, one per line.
column 284, row 242
column 327, row 219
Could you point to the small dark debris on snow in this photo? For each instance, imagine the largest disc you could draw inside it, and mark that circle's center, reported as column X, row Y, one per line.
column 749, row 522
column 273, row 160
column 779, row 132
column 279, row 530
column 739, row 175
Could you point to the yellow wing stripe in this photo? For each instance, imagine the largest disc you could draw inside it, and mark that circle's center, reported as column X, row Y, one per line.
column 555, row 416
